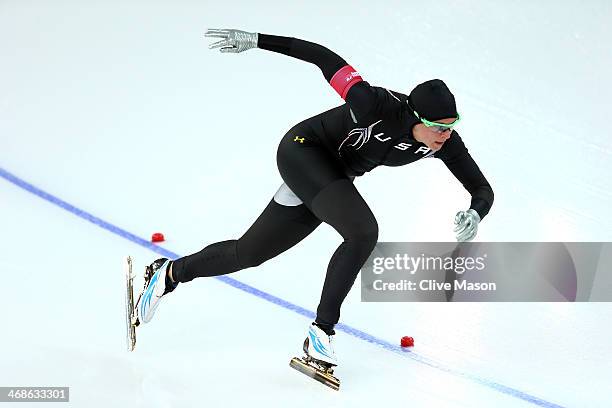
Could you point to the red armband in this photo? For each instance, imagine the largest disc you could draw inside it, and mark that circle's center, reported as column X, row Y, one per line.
column 344, row 79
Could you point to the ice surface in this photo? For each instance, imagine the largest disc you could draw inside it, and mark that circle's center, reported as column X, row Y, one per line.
column 103, row 104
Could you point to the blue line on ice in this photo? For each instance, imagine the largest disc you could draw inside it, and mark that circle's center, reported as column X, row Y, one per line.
column 273, row 299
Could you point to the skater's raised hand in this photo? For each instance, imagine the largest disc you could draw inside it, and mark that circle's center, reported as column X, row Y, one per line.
column 232, row 40
column 466, row 225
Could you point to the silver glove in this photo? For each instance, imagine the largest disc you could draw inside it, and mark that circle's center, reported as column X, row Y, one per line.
column 466, row 225
column 232, row 40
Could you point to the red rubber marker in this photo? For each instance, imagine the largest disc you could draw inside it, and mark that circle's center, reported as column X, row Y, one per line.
column 157, row 237
column 407, row 341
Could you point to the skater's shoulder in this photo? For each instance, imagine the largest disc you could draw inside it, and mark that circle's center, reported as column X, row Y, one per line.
column 390, row 99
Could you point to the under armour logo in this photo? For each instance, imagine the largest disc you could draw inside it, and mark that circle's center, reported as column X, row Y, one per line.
column 299, row 139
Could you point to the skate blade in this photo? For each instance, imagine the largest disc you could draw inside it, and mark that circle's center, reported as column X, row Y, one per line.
column 315, row 373
column 130, row 319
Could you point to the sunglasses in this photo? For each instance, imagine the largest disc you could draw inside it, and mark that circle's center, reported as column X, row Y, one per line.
column 438, row 127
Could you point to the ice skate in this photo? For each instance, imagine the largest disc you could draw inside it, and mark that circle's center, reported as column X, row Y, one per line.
column 320, row 359
column 156, row 285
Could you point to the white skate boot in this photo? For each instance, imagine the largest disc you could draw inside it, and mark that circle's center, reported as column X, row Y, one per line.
column 318, row 346
column 156, row 285
column 320, row 357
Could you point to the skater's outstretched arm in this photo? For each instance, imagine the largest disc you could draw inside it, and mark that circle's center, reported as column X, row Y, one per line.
column 345, row 80
column 458, row 160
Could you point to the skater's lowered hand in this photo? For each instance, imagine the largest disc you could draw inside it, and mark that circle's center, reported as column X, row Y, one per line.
column 234, row 41
column 466, row 225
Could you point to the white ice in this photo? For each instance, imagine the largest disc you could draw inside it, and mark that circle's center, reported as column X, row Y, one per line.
column 119, row 108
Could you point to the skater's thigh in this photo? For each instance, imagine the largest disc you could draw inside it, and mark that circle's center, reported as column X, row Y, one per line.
column 340, row 205
column 278, row 228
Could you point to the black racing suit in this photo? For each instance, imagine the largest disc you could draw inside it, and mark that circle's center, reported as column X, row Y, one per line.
column 318, row 159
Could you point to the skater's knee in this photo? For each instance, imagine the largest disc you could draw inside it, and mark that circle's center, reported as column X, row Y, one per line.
column 364, row 233
column 248, row 255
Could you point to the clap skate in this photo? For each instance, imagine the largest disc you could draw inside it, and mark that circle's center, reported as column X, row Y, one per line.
column 156, row 285
column 319, row 359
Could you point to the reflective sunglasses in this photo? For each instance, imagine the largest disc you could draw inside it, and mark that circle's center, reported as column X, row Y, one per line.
column 438, row 127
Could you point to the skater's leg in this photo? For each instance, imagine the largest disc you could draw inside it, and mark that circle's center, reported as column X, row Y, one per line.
column 321, row 182
column 277, row 229
column 341, row 206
